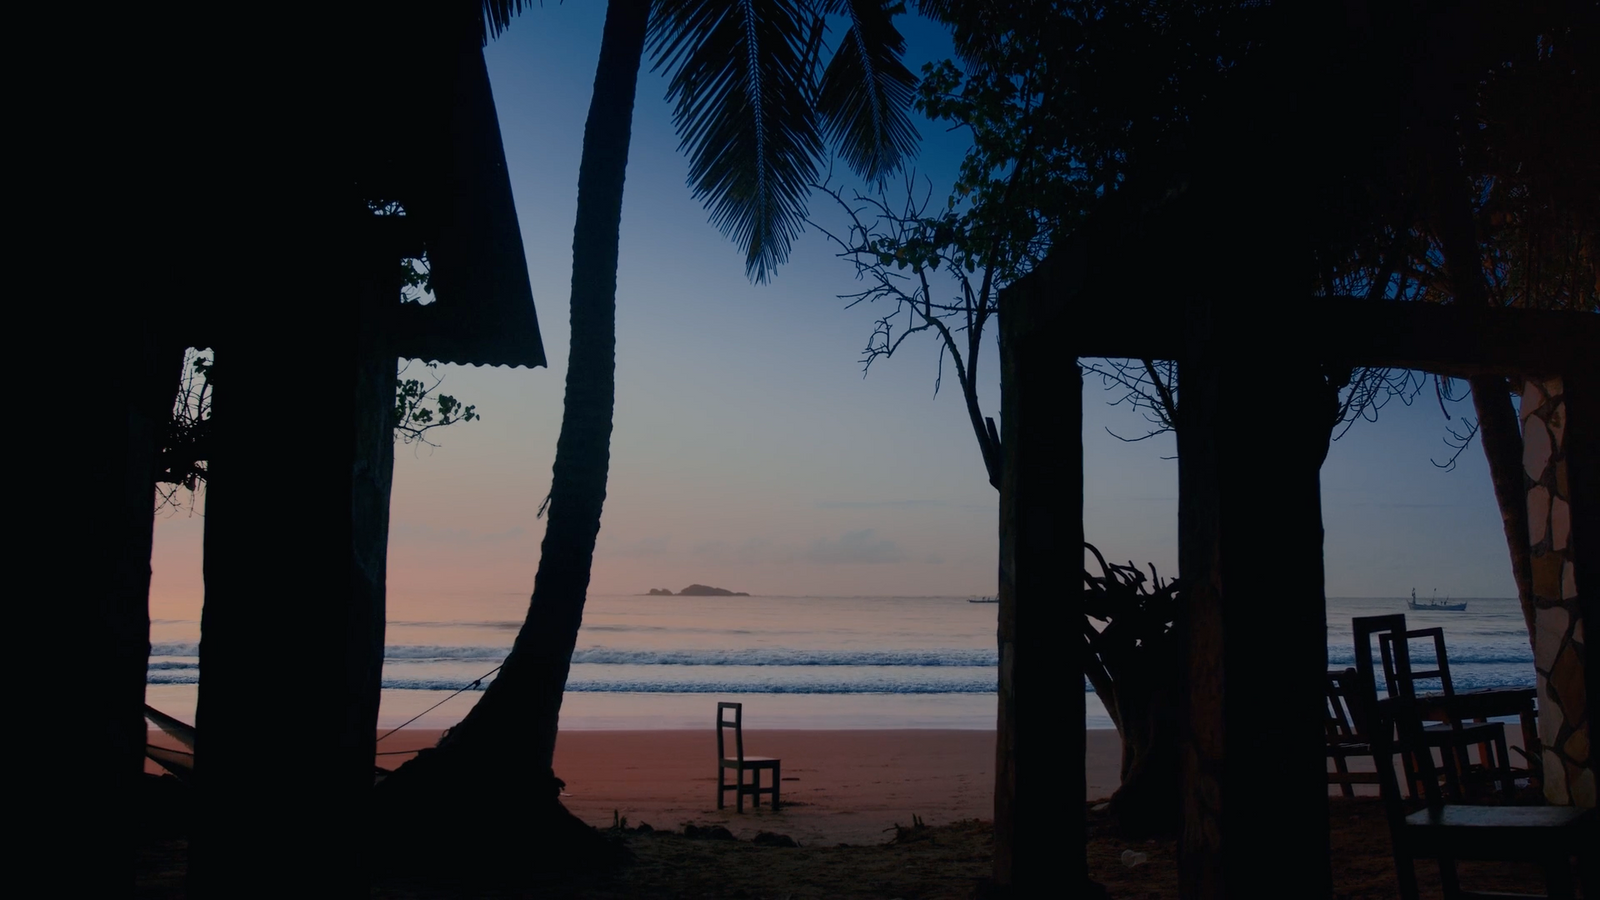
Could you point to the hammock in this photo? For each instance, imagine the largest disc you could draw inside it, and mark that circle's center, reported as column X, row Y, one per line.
column 181, row 762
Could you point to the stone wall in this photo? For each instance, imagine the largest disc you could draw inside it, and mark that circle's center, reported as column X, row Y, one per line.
column 1564, row 720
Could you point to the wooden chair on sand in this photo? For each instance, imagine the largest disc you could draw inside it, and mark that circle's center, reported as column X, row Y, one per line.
column 1344, row 738
column 740, row 763
column 1452, row 736
column 1548, row 835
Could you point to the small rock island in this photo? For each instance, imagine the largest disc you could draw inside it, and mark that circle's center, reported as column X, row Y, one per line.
column 697, row 590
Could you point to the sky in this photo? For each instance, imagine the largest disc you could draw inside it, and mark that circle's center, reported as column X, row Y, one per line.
column 751, row 452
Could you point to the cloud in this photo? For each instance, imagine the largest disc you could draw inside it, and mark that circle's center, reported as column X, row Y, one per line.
column 854, row 547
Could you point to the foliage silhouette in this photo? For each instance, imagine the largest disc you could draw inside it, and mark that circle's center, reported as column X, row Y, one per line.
column 1134, row 665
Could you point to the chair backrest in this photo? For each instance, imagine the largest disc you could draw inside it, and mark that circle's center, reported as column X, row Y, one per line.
column 1392, row 671
column 1343, row 694
column 737, row 724
column 1364, row 627
column 1398, row 717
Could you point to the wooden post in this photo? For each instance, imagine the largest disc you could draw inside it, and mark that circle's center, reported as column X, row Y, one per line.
column 1250, row 444
column 1039, row 749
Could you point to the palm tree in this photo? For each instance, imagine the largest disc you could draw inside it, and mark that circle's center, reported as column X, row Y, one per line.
column 755, row 108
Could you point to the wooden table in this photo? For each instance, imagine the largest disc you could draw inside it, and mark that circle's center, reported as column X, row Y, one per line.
column 1487, row 703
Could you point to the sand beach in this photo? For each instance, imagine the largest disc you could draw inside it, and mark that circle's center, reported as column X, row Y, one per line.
column 850, row 800
column 845, row 786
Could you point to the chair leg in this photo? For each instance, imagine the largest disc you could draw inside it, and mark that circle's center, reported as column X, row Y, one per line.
column 1502, row 755
column 755, row 788
column 1406, row 873
column 1452, row 761
column 721, row 785
column 1408, row 766
column 1558, row 879
column 1343, row 768
column 1448, row 879
column 777, row 779
column 1589, row 874
column 739, row 805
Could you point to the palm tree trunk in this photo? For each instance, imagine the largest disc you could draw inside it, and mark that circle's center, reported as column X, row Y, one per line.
column 506, row 744
column 1501, row 435
column 527, row 694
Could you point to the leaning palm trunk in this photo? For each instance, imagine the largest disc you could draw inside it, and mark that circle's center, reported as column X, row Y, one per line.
column 752, row 113
column 1501, row 434
column 1491, row 397
column 505, row 745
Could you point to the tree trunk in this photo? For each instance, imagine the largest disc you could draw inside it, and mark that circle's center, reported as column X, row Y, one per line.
column 1148, row 803
column 1501, row 435
column 506, row 744
column 292, row 593
column 1498, row 427
column 148, row 372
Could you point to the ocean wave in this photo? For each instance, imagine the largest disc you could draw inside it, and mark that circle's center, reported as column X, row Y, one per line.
column 657, row 686
column 722, row 687
column 785, row 657
column 1340, row 656
column 935, row 657
column 175, row 648
column 633, row 686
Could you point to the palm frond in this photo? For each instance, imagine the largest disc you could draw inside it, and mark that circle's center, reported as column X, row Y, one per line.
column 938, row 10
column 497, row 15
column 741, row 89
column 866, row 92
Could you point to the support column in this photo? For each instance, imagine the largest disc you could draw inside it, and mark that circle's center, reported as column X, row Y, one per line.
column 1565, row 725
column 1039, row 796
column 1250, row 446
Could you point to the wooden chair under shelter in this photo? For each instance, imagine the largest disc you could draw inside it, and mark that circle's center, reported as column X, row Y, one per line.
column 1452, row 736
column 1444, row 736
column 740, row 763
column 1343, row 737
column 1551, row 836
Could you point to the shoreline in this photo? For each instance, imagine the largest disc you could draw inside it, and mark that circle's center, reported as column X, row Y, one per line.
column 839, row 786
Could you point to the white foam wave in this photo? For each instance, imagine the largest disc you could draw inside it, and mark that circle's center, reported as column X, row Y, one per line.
column 940, row 657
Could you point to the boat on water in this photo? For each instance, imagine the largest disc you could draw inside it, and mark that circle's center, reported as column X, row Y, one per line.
column 983, row 599
column 1445, row 605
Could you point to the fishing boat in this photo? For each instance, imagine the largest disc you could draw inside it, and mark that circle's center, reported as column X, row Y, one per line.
column 1445, row 605
column 983, row 599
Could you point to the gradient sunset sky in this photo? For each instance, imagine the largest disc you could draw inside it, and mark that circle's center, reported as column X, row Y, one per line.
column 749, row 451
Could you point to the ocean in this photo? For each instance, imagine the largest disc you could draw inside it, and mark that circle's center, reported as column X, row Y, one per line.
column 795, row 662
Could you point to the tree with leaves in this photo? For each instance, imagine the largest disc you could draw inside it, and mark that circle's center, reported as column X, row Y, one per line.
column 1072, row 105
column 759, row 92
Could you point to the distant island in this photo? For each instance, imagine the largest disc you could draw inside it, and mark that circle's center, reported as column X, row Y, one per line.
column 697, row 590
